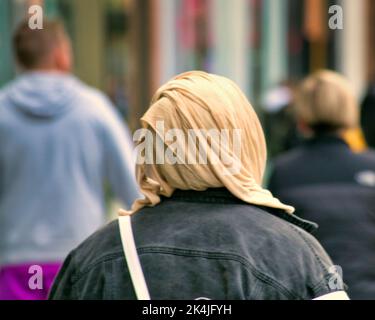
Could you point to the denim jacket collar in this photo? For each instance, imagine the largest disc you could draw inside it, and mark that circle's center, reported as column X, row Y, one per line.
column 223, row 196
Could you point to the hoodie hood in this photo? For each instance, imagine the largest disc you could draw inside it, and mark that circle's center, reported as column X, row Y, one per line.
column 42, row 94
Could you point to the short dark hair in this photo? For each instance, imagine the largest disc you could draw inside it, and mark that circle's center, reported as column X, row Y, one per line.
column 31, row 46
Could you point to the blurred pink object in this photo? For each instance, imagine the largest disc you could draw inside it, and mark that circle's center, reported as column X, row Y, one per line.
column 14, row 281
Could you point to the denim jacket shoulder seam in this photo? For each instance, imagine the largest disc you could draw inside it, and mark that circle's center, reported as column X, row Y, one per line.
column 79, row 274
column 73, row 282
column 318, row 285
column 193, row 253
column 227, row 256
column 311, row 248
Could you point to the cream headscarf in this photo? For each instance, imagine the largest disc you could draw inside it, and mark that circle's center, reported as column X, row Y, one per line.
column 197, row 100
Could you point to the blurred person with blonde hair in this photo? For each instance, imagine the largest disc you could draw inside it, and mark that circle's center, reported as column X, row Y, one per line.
column 60, row 142
column 205, row 229
column 330, row 184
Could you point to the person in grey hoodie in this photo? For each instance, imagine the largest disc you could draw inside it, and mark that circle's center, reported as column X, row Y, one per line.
column 60, row 141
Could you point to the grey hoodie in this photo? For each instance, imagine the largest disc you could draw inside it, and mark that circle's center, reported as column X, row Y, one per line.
column 60, row 140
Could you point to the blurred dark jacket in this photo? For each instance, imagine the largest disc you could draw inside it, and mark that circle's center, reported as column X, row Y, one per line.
column 368, row 116
column 329, row 184
column 279, row 121
column 203, row 245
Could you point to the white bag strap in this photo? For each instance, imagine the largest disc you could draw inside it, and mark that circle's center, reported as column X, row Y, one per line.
column 132, row 259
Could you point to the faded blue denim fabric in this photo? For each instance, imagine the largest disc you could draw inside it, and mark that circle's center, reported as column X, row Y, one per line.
column 202, row 245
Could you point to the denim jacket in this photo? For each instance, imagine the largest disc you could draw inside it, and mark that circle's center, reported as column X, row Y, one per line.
column 203, row 245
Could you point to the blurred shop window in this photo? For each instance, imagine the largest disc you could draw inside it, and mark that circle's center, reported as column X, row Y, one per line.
column 113, row 26
column 194, row 41
column 255, row 49
column 117, row 53
column 62, row 9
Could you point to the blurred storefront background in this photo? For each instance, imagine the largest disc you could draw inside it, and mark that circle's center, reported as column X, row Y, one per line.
column 129, row 47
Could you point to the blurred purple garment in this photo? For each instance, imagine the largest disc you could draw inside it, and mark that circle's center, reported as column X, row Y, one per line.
column 14, row 281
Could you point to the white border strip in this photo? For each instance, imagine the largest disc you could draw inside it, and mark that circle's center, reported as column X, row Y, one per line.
column 338, row 295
